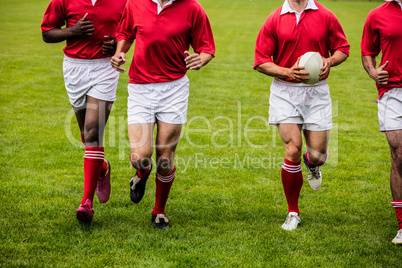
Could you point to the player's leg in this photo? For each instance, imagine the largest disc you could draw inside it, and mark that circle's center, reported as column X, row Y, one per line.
column 395, row 144
column 80, row 116
column 317, row 146
column 91, row 87
column 292, row 177
column 316, row 155
column 141, row 144
column 390, row 122
column 167, row 138
column 96, row 115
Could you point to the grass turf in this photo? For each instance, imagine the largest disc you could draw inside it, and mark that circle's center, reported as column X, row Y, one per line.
column 227, row 203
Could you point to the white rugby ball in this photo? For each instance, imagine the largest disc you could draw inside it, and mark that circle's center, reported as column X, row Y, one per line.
column 312, row 63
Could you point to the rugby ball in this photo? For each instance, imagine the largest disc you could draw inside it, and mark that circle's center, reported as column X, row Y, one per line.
column 312, row 63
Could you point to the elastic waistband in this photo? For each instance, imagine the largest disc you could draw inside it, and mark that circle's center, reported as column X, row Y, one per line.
column 290, row 84
column 83, row 61
column 182, row 79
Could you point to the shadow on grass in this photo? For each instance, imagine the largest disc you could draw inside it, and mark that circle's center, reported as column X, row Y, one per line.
column 90, row 226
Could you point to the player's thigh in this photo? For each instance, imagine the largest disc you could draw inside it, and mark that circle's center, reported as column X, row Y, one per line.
column 96, row 115
column 167, row 138
column 292, row 140
column 80, row 116
column 394, row 138
column 140, row 136
column 97, row 111
column 316, row 141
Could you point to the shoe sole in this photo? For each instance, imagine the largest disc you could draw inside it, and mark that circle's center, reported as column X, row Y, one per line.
column 159, row 226
column 84, row 216
column 139, row 186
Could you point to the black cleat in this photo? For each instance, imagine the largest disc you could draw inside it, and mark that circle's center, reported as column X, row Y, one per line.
column 137, row 187
column 160, row 221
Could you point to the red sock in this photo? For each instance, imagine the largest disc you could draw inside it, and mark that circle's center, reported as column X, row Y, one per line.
column 397, row 204
column 93, row 161
column 308, row 160
column 292, row 181
column 143, row 172
column 163, row 184
column 82, row 139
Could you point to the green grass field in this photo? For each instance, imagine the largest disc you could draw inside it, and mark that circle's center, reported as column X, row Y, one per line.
column 227, row 203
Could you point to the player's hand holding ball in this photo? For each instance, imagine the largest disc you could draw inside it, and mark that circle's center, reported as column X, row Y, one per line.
column 297, row 72
column 325, row 68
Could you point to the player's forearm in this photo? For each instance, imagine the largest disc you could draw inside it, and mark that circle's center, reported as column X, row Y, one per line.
column 123, row 46
column 369, row 64
column 337, row 58
column 271, row 69
column 205, row 58
column 57, row 35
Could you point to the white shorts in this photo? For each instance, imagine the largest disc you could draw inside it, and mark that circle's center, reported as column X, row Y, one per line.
column 95, row 78
column 166, row 102
column 298, row 103
column 390, row 110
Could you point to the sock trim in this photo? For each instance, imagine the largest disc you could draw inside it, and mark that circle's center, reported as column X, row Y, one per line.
column 94, row 155
column 94, row 152
column 291, row 167
column 397, row 203
column 166, row 178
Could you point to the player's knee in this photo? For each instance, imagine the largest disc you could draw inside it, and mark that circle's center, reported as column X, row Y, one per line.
column 293, row 153
column 397, row 156
column 140, row 161
column 317, row 158
column 164, row 165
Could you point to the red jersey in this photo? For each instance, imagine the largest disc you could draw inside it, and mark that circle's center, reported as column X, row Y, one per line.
column 161, row 39
column 105, row 15
column 382, row 31
column 282, row 40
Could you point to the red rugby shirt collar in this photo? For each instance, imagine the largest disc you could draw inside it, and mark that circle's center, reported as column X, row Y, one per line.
column 398, row 1
column 287, row 9
column 159, row 5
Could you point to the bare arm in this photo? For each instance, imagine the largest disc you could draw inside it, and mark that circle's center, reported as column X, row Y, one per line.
column 119, row 57
column 379, row 75
column 294, row 73
column 337, row 58
column 196, row 61
column 81, row 28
